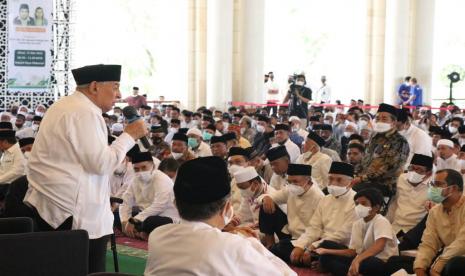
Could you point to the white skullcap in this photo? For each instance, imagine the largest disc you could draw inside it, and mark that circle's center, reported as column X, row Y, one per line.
column 117, row 127
column 245, row 174
column 294, row 118
column 446, row 142
column 195, row 131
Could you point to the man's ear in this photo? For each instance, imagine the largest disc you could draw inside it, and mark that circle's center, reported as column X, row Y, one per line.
column 93, row 87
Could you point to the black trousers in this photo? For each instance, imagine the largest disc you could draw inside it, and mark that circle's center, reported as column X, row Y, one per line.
column 412, row 239
column 454, row 267
column 339, row 265
column 271, row 224
column 14, row 206
column 97, row 247
column 153, row 222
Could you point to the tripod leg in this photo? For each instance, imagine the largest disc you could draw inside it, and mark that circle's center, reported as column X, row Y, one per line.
column 115, row 254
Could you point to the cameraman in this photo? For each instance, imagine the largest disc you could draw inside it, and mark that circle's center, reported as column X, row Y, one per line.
column 298, row 97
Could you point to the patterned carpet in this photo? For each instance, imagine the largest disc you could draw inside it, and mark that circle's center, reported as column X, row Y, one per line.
column 132, row 255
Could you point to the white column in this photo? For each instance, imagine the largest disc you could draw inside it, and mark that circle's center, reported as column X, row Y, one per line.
column 376, row 12
column 396, row 48
column 423, row 40
column 252, row 50
column 219, row 52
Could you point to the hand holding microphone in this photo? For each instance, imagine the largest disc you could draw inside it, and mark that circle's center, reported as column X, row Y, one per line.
column 136, row 126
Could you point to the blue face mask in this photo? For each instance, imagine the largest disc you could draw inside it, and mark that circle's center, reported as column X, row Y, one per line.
column 435, row 194
column 207, row 136
column 192, row 142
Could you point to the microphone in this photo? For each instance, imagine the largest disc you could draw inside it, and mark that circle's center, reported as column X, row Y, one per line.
column 130, row 113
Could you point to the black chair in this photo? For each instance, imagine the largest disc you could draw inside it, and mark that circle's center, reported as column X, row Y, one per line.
column 16, row 225
column 45, row 253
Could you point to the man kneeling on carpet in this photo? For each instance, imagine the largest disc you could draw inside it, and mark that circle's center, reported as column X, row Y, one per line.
column 148, row 201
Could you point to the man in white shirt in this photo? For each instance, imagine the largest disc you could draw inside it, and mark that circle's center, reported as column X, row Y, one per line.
column 188, row 122
column 324, row 92
column 19, row 122
column 12, row 162
column 446, row 157
column 297, row 128
column 408, row 205
column 331, row 224
column 32, row 130
column 251, row 186
column 279, row 161
column 302, row 198
column 272, row 93
column 282, row 138
column 312, row 156
column 238, row 158
column 199, row 147
column 71, row 161
column 197, row 246
column 148, row 201
column 418, row 140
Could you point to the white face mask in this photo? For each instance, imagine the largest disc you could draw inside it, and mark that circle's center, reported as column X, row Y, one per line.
column 347, row 134
column 362, row 211
column 414, row 177
column 233, row 169
column 176, row 155
column 225, row 125
column 295, row 128
column 362, row 123
column 299, row 83
column 381, row 127
column 195, row 122
column 35, row 127
column 295, row 189
column 247, row 193
column 228, row 216
column 41, row 114
column 337, row 190
column 327, row 122
column 144, row 176
column 453, row 129
column 243, row 130
column 402, row 132
column 260, row 128
column 173, row 129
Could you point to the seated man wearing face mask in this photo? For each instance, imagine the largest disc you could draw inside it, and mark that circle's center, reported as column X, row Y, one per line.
column 218, row 147
column 238, row 158
column 263, row 168
column 32, row 130
column 297, row 134
column 302, row 198
column 179, row 148
column 326, row 132
column 279, row 161
column 446, row 157
column 418, row 140
column 197, row 246
column 261, row 141
column 175, row 125
column 199, row 147
column 314, row 157
column 385, row 156
column 282, row 138
column 148, row 201
column 250, row 186
column 331, row 225
column 408, row 205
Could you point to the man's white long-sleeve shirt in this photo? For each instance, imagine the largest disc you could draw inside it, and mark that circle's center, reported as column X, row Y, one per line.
column 12, row 164
column 70, row 164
